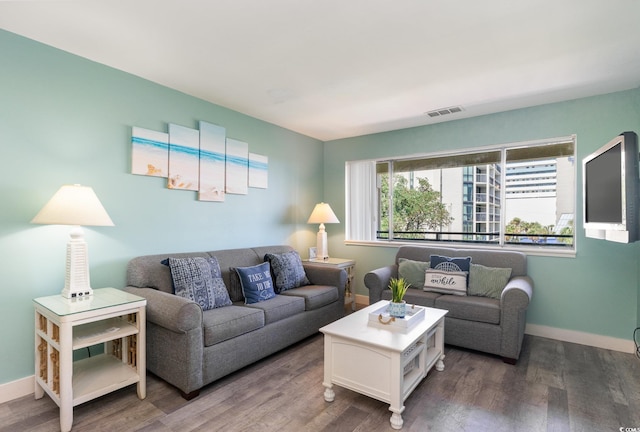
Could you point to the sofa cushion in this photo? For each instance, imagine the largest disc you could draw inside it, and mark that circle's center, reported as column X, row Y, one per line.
column 315, row 296
column 419, row 297
column 228, row 322
column 470, row 308
column 279, row 307
column 287, row 270
column 192, row 280
column 446, row 282
column 256, row 282
column 488, row 281
column 413, row 271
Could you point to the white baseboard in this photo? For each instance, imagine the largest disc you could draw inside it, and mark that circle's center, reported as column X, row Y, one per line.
column 17, row 389
column 590, row 339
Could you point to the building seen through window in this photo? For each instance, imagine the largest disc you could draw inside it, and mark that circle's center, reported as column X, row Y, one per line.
column 514, row 195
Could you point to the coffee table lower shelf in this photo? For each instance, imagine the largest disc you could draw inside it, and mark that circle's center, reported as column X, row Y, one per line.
column 380, row 363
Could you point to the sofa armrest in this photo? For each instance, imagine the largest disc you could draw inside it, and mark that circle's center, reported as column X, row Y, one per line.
column 514, row 302
column 378, row 280
column 517, row 294
column 170, row 311
column 174, row 339
column 325, row 275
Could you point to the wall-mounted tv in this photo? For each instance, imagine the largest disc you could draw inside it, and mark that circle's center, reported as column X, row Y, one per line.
column 611, row 187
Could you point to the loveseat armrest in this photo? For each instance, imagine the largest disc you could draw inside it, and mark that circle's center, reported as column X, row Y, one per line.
column 170, row 311
column 514, row 302
column 325, row 275
column 378, row 280
column 517, row 293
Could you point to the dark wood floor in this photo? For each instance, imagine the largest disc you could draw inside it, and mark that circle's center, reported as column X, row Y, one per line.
column 555, row 386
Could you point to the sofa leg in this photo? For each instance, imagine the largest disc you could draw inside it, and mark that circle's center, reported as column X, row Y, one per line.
column 189, row 396
column 510, row 361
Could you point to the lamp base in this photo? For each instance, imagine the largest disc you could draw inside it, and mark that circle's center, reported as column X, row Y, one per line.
column 322, row 249
column 76, row 281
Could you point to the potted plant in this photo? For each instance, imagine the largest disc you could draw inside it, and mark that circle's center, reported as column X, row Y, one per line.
column 398, row 287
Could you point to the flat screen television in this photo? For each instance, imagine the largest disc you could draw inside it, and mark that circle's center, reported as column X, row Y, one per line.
column 611, row 187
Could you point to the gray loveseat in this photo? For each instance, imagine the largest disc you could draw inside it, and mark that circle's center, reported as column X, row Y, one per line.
column 189, row 347
column 480, row 323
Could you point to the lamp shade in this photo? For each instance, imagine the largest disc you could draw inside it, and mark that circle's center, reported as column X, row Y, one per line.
column 73, row 205
column 322, row 213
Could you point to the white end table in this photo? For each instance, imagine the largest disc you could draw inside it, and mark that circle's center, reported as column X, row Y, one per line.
column 385, row 364
column 349, row 266
column 110, row 317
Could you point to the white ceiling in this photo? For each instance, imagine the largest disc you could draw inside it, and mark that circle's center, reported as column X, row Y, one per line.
column 338, row 68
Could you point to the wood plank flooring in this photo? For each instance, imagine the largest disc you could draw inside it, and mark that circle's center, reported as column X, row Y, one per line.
column 555, row 386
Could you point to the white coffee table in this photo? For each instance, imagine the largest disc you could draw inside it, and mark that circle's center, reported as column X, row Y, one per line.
column 382, row 362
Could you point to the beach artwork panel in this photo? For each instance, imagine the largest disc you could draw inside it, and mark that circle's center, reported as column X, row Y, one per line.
column 258, row 171
column 212, row 162
column 184, row 158
column 237, row 167
column 149, row 152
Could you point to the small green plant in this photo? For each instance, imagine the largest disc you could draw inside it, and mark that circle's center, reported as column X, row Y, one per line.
column 398, row 288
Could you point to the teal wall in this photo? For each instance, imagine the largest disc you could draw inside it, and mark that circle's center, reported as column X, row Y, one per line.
column 64, row 119
column 595, row 292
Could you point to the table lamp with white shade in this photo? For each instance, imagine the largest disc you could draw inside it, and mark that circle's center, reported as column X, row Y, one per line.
column 75, row 205
column 322, row 214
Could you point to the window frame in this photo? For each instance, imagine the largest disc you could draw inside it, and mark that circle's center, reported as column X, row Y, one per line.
column 532, row 249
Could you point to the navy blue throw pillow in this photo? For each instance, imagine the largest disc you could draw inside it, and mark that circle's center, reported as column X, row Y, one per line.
column 256, row 282
column 450, row 264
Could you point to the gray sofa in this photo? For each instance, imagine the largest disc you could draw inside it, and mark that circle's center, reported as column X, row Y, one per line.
column 189, row 347
column 478, row 323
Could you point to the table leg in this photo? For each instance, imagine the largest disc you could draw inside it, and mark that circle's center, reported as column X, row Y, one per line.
column 41, row 357
column 141, row 342
column 439, row 344
column 329, row 394
column 440, row 363
column 396, row 418
column 66, row 377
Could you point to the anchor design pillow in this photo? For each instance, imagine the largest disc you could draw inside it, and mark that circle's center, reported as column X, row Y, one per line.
column 447, row 275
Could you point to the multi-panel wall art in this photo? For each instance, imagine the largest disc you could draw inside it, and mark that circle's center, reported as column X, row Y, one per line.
column 203, row 160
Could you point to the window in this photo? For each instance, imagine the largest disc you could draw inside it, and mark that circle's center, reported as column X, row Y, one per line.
column 513, row 195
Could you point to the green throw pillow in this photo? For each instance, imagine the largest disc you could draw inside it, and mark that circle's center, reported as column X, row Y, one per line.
column 487, row 281
column 412, row 271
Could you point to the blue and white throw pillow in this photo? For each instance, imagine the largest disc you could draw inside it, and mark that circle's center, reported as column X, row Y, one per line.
column 192, row 280
column 256, row 281
column 200, row 280
column 287, row 270
column 219, row 288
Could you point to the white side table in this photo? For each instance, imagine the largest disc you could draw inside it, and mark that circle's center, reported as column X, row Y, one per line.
column 110, row 317
column 349, row 266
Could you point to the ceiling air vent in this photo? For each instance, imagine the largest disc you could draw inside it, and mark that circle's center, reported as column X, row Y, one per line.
column 444, row 111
